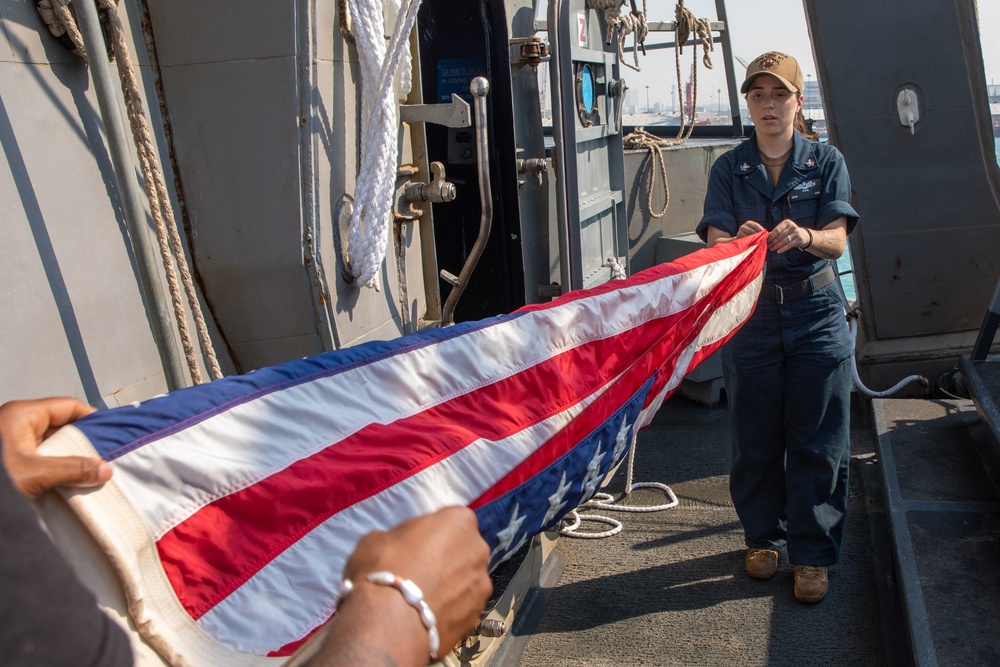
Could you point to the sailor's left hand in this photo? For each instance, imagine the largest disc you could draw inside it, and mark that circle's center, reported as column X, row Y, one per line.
column 24, row 425
column 785, row 236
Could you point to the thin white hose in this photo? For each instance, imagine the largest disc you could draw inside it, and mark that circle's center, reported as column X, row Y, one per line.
column 853, row 325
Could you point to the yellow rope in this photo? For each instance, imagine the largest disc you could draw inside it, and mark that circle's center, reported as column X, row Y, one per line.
column 167, row 235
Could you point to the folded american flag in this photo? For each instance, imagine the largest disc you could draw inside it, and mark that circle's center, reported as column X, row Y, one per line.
column 235, row 504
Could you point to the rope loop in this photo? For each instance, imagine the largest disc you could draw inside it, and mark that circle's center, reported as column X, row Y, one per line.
column 617, row 268
column 607, row 502
column 575, row 519
column 640, row 139
column 368, row 234
column 61, row 22
column 686, row 24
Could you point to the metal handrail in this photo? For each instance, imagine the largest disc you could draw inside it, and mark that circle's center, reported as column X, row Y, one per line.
column 989, row 329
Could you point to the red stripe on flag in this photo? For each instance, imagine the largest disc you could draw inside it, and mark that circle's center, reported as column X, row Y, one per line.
column 225, row 543
column 221, row 546
column 678, row 332
column 291, row 647
column 728, row 288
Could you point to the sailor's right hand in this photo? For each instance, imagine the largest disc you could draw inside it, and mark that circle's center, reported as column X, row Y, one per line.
column 444, row 554
column 749, row 228
column 441, row 553
column 24, row 425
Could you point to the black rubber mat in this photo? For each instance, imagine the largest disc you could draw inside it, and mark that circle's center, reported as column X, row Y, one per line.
column 945, row 525
column 955, row 553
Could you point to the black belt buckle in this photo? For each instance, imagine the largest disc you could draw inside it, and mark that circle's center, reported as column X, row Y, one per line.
column 813, row 283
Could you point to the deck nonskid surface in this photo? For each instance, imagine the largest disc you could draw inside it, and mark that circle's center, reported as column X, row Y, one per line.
column 670, row 588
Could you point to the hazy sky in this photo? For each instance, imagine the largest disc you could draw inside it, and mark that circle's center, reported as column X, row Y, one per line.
column 753, row 32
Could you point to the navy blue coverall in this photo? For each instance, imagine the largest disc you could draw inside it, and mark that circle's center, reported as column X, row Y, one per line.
column 788, row 369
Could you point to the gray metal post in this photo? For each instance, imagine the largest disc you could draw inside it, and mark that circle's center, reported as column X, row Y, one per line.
column 135, row 217
column 727, row 54
column 989, row 329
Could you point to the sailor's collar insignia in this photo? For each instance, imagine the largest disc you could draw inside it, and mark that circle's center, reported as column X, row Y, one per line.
column 810, row 162
column 745, row 167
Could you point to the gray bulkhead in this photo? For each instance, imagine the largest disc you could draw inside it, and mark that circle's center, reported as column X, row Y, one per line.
column 74, row 318
column 260, row 145
column 262, row 107
column 927, row 251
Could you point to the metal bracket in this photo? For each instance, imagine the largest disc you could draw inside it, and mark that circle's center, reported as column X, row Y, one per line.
column 454, row 114
column 438, row 191
column 908, row 107
column 342, row 213
column 529, row 51
column 618, row 88
column 550, row 291
column 536, row 166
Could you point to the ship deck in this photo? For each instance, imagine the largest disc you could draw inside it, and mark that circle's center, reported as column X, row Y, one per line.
column 670, row 589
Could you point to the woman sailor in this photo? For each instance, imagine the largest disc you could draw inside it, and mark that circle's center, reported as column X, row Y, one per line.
column 787, row 370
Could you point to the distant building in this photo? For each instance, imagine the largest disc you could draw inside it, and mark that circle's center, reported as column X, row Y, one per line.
column 811, row 98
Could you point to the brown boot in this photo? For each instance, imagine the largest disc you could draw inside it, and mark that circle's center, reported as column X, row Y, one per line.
column 761, row 563
column 810, row 583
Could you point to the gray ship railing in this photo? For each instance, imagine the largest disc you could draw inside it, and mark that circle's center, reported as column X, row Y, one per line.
column 982, row 371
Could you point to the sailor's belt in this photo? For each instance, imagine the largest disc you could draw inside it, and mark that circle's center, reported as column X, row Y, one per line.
column 815, row 282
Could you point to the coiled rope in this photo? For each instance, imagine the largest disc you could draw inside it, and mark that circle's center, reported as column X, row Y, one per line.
column 685, row 24
column 61, row 21
column 607, row 502
column 369, row 229
column 628, row 24
column 617, row 268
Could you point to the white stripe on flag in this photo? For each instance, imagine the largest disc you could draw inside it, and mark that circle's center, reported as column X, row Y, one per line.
column 721, row 323
column 314, row 562
column 288, row 421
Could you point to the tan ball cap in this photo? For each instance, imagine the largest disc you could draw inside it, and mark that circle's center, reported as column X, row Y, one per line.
column 782, row 66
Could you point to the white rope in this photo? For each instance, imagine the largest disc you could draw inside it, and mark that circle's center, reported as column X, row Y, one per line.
column 369, row 229
column 577, row 519
column 617, row 269
column 607, row 502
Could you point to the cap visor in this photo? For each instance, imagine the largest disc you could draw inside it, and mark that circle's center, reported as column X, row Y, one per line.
column 750, row 79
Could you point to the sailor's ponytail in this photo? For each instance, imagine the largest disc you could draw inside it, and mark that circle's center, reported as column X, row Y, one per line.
column 803, row 127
